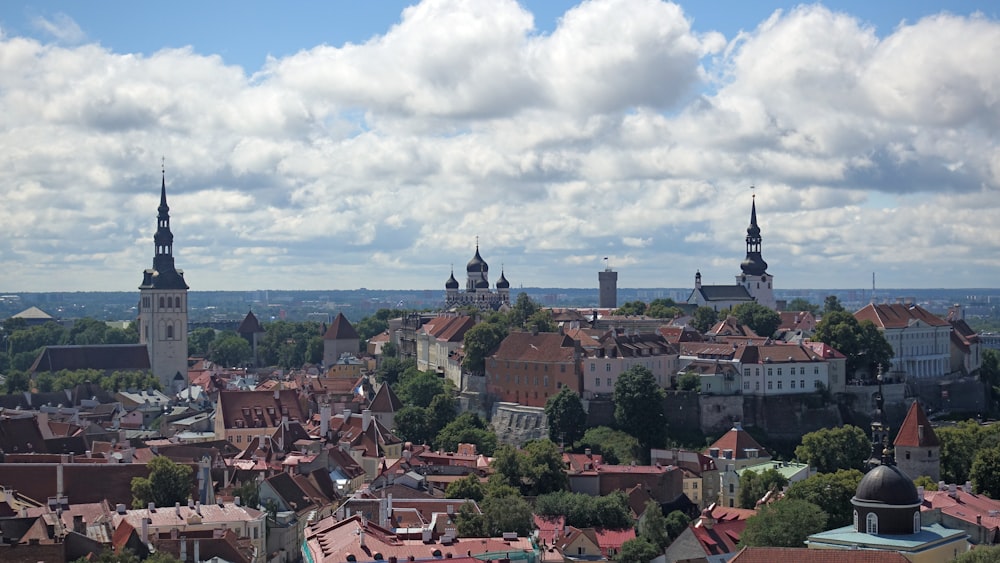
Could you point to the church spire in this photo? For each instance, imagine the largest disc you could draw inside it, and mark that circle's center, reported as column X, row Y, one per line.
column 163, row 275
column 753, row 264
column 881, row 450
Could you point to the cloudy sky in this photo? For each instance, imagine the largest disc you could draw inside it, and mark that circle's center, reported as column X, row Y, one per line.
column 339, row 145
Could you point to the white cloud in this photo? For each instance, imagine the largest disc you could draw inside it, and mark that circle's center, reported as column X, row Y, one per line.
column 624, row 132
column 60, row 27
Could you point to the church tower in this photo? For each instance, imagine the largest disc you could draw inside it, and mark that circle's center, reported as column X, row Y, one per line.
column 754, row 276
column 163, row 307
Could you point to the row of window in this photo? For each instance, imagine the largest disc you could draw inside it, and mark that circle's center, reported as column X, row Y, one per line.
column 524, row 366
column 770, row 386
column 770, row 371
column 164, row 301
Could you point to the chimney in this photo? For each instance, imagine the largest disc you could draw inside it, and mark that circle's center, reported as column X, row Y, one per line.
column 145, row 529
column 968, row 487
column 920, row 432
column 236, row 501
column 151, row 507
column 177, row 508
column 59, row 480
column 361, row 537
column 920, row 493
column 347, row 415
column 366, row 419
column 284, row 422
column 197, row 507
column 120, row 508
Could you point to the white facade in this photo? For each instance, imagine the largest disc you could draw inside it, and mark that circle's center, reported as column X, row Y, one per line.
column 784, row 377
column 163, row 319
column 920, row 350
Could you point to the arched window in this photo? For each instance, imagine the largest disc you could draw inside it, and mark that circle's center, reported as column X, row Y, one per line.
column 871, row 523
column 916, row 522
column 170, row 332
column 161, row 302
column 856, row 529
column 170, row 302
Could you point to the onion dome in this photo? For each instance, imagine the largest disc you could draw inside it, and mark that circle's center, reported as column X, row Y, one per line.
column 452, row 283
column 477, row 264
column 888, row 485
column 753, row 264
column 482, row 284
column 502, row 283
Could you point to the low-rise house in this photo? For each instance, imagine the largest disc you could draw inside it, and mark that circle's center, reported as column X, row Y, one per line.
column 618, row 351
column 712, row 538
column 782, row 369
column 243, row 415
column 958, row 508
column 701, row 475
column 733, row 451
column 365, row 439
column 920, row 340
column 384, row 405
column 592, row 544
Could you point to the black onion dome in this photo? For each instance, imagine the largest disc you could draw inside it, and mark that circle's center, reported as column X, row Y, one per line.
column 452, row 283
column 753, row 265
column 477, row 264
column 502, row 283
column 482, row 284
column 886, row 484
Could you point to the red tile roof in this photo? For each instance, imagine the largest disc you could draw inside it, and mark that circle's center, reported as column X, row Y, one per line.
column 448, row 328
column 916, row 430
column 259, row 409
column 965, row 506
column 385, row 400
column 897, row 315
column 721, row 537
column 541, row 347
column 739, row 441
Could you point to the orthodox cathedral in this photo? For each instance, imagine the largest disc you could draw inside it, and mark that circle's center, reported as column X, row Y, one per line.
column 477, row 287
column 753, row 283
column 163, row 306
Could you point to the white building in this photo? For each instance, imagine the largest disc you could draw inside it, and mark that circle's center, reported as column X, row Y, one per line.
column 782, row 369
column 618, row 351
column 920, row 340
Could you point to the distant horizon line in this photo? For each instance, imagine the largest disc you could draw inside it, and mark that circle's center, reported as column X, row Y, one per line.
column 867, row 290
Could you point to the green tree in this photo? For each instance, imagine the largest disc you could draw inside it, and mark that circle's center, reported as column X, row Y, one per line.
column 631, row 308
column 314, row 350
column 541, row 321
column 639, row 408
column 832, row 492
column 87, row 331
column 441, row 412
column 753, row 486
column 467, row 428
column 377, row 323
column 504, row 510
column 200, row 340
column 663, row 309
column 762, row 320
column 652, row 525
column 984, row 474
column 167, row 483
column 865, row 347
column 959, row 445
column 689, row 381
column 922, row 481
column 567, row 419
column 786, row 523
column 418, row 388
column 230, row 350
column 17, row 381
column 586, row 511
column 390, row 369
column 676, row 522
column 469, row 523
column 831, row 449
column 800, row 304
column 981, row 554
column 468, row 487
column 249, row 493
column 389, row 350
column 638, row 550
column 412, row 424
column 615, row 446
column 832, row 305
column 704, row 318
column 989, row 374
column 524, row 308
column 479, row 342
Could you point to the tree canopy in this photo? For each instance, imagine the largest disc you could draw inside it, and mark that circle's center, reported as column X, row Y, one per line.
column 762, row 320
column 959, row 445
column 802, row 304
column 862, row 343
column 754, row 485
column 832, row 449
column 704, row 318
column 632, row 308
column 615, row 446
column 479, row 342
column 587, row 511
column 639, row 408
column 983, row 474
column 567, row 419
column 167, row 483
column 467, row 428
column 832, row 492
column 638, row 550
column 230, row 350
column 785, row 523
column 534, row 470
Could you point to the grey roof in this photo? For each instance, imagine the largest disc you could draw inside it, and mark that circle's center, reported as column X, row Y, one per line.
column 724, row 293
column 100, row 357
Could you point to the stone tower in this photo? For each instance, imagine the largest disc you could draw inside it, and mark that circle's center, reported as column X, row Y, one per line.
column 163, row 307
column 608, row 293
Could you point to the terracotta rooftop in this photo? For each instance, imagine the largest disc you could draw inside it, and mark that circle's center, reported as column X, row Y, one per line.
column 916, row 430
column 773, row 554
column 739, row 441
column 897, row 315
column 541, row 347
column 258, row 409
column 448, row 328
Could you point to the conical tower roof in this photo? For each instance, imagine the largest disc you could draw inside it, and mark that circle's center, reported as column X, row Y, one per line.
column 340, row 329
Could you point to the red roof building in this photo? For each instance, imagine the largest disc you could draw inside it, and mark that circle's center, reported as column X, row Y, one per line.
column 918, row 451
column 920, row 340
column 528, row 368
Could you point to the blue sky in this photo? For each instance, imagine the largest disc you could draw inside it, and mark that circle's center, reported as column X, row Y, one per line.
column 344, row 144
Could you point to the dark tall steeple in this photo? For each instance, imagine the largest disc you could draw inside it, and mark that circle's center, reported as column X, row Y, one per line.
column 881, row 449
column 753, row 264
column 163, row 275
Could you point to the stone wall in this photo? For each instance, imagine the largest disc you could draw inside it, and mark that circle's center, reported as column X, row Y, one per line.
column 516, row 424
column 719, row 412
column 789, row 417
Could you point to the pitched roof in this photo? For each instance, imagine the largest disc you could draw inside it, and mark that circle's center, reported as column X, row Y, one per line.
column 385, row 400
column 969, row 507
column 897, row 315
column 724, row 293
column 249, row 325
column 448, row 328
column 32, row 313
column 916, row 430
column 772, row 554
column 738, row 440
column 99, row 357
column 541, row 347
column 259, row 409
column 720, row 538
column 340, row 329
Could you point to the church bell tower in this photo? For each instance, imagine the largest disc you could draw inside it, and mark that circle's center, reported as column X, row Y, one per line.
column 163, row 307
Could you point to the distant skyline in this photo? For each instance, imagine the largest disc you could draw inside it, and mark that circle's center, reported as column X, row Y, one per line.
column 347, row 145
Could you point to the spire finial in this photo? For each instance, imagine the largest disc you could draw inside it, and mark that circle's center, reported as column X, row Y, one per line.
column 477, row 243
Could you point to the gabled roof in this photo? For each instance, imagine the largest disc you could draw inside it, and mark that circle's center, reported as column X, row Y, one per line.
column 724, row 293
column 340, row 329
column 250, row 325
column 738, row 440
column 258, row 409
column 730, row 326
column 916, row 430
column 795, row 319
column 33, row 313
column 448, row 328
column 385, row 400
column 897, row 315
column 288, row 489
column 99, row 357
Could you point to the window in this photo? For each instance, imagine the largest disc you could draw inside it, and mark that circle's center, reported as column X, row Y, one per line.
column 815, row 369
column 779, row 371
column 769, row 386
column 593, row 366
column 802, row 383
column 802, row 370
column 746, row 385
column 607, row 366
column 562, row 368
column 779, row 384
column 770, row 372
column 597, row 382
column 170, row 332
column 161, row 302
column 694, row 485
column 608, row 380
column 746, row 372
column 856, row 521
column 916, row 522
column 757, row 386
column 732, row 488
column 793, row 384
column 871, row 523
